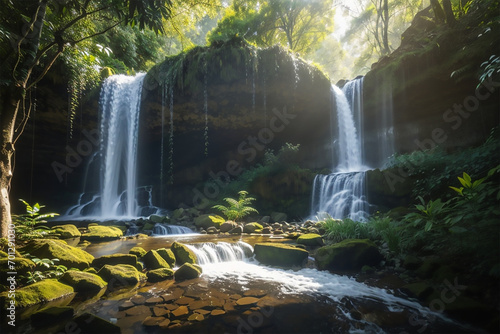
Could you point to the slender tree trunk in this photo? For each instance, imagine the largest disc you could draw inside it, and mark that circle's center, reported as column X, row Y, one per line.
column 448, row 11
column 438, row 11
column 385, row 35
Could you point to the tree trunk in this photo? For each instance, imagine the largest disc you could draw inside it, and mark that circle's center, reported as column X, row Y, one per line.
column 448, row 11
column 385, row 35
column 438, row 11
column 10, row 105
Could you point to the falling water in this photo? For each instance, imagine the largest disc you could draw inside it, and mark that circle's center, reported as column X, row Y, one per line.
column 165, row 229
column 221, row 252
column 342, row 194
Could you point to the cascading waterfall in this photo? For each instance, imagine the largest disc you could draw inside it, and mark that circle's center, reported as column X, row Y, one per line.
column 166, row 229
column 210, row 253
column 342, row 194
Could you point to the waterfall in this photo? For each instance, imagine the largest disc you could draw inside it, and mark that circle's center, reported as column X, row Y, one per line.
column 342, row 194
column 210, row 252
column 165, row 229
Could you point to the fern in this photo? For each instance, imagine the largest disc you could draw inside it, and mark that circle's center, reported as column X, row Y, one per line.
column 237, row 209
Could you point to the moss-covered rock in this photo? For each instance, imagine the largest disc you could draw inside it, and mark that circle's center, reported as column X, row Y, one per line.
column 36, row 293
column 421, row 290
column 280, row 254
column 187, row 271
column 51, row 316
column 102, row 233
column 183, row 254
column 204, row 221
column 121, row 275
column 227, row 226
column 158, row 275
column 84, row 283
column 252, row 228
column 89, row 323
column 350, row 254
column 167, row 255
column 310, row 239
column 148, row 226
column 114, row 259
column 21, row 266
column 153, row 260
column 4, row 247
column 137, row 251
column 67, row 231
column 71, row 257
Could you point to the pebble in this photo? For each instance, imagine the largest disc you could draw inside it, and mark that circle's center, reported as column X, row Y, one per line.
column 160, row 311
column 184, row 300
column 180, row 311
column 217, row 312
column 255, row 293
column 247, row 301
column 152, row 321
column 153, row 300
column 196, row 317
column 138, row 299
column 137, row 310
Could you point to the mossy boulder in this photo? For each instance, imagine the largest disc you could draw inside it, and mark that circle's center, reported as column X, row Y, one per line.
column 252, row 228
column 158, row 275
column 280, row 254
column 67, row 231
column 157, row 219
column 84, row 283
column 187, row 271
column 21, row 266
column 89, row 323
column 350, row 254
column 71, row 257
column 4, row 247
column 204, row 221
column 52, row 315
column 115, row 259
column 137, row 251
column 102, row 233
column 121, row 275
column 183, row 254
column 36, row 293
column 421, row 290
column 167, row 255
column 153, row 260
column 227, row 226
column 310, row 239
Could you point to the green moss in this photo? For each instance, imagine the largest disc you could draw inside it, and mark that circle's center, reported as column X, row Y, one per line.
column 183, row 254
column 205, row 222
column 153, row 260
column 187, row 271
column 137, row 251
column 67, row 231
column 350, row 254
column 71, row 257
column 167, row 255
column 252, row 228
column 280, row 254
column 21, row 266
column 310, row 239
column 102, row 233
column 83, row 282
column 121, row 275
column 51, row 315
column 4, row 247
column 114, row 259
column 158, row 275
column 36, row 293
column 148, row 227
column 3, row 254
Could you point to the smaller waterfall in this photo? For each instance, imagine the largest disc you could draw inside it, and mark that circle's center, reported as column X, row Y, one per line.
column 221, row 252
column 165, row 229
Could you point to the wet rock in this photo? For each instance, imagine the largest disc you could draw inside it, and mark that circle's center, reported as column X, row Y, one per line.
column 160, row 311
column 158, row 275
column 121, row 275
column 247, row 301
column 204, row 221
column 227, row 226
column 138, row 310
column 164, row 324
column 198, row 304
column 238, row 230
column 152, row 321
column 173, row 295
column 137, row 251
column 255, row 293
column 351, row 254
column 252, row 228
column 266, row 230
column 180, row 311
column 421, row 290
column 196, row 317
column 157, row 219
column 67, row 231
column 310, row 240
column 153, row 260
column 217, row 312
column 51, row 315
column 212, row 230
column 187, row 271
column 280, row 254
column 115, row 259
column 125, row 305
column 167, row 255
column 89, row 323
column 84, row 283
column 183, row 254
column 138, row 300
column 102, row 233
column 68, row 256
column 36, row 293
column 184, row 300
column 153, row 300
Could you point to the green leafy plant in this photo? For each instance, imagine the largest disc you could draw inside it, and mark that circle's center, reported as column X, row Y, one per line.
column 430, row 213
column 27, row 226
column 384, row 228
column 337, row 230
column 48, row 268
column 237, row 209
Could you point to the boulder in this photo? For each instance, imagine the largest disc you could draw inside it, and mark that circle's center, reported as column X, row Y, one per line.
column 252, row 228
column 36, row 293
column 114, row 259
column 22, row 266
column 52, row 315
column 278, row 217
column 158, row 275
column 68, row 256
column 121, row 275
column 84, row 283
column 187, row 271
column 212, row 230
column 350, row 254
column 137, row 251
column 237, row 230
column 157, row 219
column 67, row 231
column 204, row 221
column 102, row 233
column 227, row 226
column 310, row 239
column 89, row 323
column 167, row 255
column 153, row 260
column 183, row 254
column 280, row 254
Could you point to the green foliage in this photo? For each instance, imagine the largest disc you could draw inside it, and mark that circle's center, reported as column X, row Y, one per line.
column 287, row 154
column 491, row 68
column 337, row 230
column 237, row 209
column 428, row 214
column 45, row 268
column 217, row 219
column 27, row 225
column 390, row 231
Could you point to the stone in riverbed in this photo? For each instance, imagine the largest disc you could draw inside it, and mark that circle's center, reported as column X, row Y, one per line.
column 196, row 317
column 280, row 254
column 102, row 233
column 115, row 259
column 350, row 254
column 217, row 312
column 180, row 311
column 137, row 251
column 121, row 275
column 247, row 301
column 167, row 255
column 138, row 310
column 158, row 275
column 227, row 226
column 183, row 254
column 70, row 257
column 152, row 321
column 252, row 228
column 310, row 239
column 153, row 260
column 36, row 293
column 84, row 283
column 187, row 271
column 67, row 231
column 160, row 311
column 237, row 230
